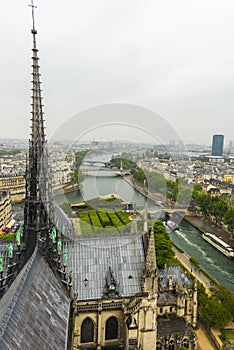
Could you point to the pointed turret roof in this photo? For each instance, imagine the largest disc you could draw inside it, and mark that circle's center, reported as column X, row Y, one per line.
column 150, row 264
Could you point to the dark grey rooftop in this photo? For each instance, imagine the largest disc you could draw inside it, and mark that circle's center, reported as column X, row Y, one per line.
column 178, row 276
column 4, row 255
column 171, row 323
column 166, row 297
column 63, row 221
column 91, row 257
column 35, row 310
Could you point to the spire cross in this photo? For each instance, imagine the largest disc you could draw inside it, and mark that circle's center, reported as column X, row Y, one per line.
column 33, row 18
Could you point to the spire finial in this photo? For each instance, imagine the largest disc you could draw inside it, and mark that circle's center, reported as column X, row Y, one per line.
column 33, row 17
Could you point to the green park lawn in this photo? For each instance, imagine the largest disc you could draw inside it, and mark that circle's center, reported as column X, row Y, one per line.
column 94, row 221
column 227, row 335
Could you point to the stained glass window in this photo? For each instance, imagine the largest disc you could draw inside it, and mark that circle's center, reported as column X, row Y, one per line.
column 87, row 331
column 111, row 328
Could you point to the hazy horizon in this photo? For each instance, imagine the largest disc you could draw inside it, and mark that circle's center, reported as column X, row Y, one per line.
column 174, row 58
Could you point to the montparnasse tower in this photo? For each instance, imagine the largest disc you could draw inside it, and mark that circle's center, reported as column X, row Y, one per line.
column 38, row 210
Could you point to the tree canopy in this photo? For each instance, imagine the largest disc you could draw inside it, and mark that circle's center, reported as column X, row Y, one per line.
column 218, row 308
column 229, row 218
column 163, row 245
column 215, row 314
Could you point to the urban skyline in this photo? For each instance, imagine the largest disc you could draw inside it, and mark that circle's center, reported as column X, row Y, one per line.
column 69, row 290
column 175, row 59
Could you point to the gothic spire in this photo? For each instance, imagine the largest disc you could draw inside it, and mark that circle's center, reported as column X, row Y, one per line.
column 38, row 211
column 37, row 135
column 149, row 278
column 150, row 264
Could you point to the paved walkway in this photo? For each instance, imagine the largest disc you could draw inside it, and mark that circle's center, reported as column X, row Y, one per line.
column 197, row 273
column 202, row 337
column 203, row 340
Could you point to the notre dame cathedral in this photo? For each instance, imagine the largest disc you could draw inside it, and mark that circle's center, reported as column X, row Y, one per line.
column 61, row 291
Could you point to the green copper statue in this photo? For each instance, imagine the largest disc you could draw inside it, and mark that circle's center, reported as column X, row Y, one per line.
column 59, row 247
column 63, row 229
column 70, row 273
column 54, row 235
column 18, row 237
column 1, row 264
column 21, row 230
column 57, row 223
column 65, row 259
column 10, row 250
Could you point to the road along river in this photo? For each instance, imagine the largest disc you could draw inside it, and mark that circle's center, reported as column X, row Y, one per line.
column 188, row 238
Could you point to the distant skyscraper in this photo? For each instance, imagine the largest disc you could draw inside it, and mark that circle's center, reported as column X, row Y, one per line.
column 217, row 145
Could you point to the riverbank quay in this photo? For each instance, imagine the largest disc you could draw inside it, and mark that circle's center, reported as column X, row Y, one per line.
column 208, row 338
column 155, row 197
column 203, row 340
column 196, row 272
column 205, row 225
column 66, row 188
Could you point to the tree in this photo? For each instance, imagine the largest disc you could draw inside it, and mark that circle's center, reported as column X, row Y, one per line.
column 184, row 195
column 195, row 261
column 159, row 228
column 215, row 314
column 204, row 202
column 218, row 208
column 66, row 208
column 229, row 219
column 163, row 245
column 202, row 297
column 226, row 297
column 197, row 188
column 138, row 174
column 76, row 176
column 79, row 156
column 156, row 182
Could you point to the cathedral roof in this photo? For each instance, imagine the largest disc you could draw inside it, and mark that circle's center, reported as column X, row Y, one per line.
column 171, row 323
column 4, row 254
column 166, row 297
column 64, row 223
column 177, row 274
column 92, row 256
column 35, row 309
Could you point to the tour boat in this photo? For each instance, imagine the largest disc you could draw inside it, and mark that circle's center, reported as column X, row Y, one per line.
column 219, row 244
column 171, row 225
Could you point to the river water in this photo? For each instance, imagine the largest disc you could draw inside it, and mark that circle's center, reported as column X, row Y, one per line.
column 94, row 187
column 218, row 265
column 188, row 238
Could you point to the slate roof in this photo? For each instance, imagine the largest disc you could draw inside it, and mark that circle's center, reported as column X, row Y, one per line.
column 171, row 323
column 178, row 276
column 91, row 257
column 35, row 310
column 4, row 255
column 64, row 220
column 166, row 297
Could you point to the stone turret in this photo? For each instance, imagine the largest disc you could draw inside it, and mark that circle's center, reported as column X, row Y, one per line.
column 147, row 312
column 150, row 272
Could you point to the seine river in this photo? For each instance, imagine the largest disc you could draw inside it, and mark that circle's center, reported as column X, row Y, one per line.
column 188, row 238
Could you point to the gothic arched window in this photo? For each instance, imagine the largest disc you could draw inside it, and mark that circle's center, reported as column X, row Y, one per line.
column 111, row 328
column 185, row 343
column 171, row 345
column 158, row 346
column 87, row 331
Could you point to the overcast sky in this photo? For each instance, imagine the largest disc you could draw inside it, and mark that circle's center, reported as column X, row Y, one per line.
column 175, row 57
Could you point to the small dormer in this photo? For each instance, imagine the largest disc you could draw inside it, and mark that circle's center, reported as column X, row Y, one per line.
column 111, row 288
